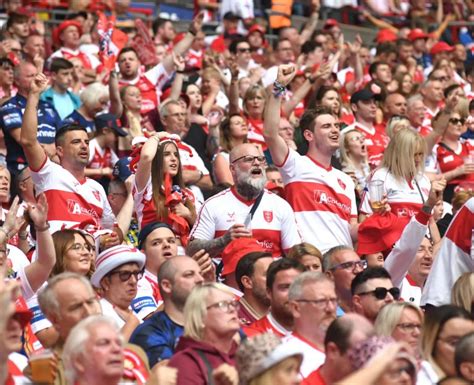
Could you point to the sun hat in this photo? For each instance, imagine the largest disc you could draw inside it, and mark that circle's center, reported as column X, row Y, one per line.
column 236, row 250
column 114, row 257
column 260, row 353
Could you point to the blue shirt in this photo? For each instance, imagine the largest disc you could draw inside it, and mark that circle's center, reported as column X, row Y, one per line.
column 11, row 118
column 76, row 117
column 158, row 337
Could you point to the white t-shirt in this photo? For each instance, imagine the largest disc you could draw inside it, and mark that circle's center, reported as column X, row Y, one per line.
column 323, row 200
column 273, row 223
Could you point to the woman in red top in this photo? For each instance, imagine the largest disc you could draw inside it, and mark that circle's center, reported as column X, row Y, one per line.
column 455, row 156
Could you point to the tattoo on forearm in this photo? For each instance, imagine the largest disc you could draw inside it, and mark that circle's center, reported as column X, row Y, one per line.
column 213, row 246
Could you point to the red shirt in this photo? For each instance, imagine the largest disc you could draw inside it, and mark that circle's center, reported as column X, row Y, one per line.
column 449, row 159
column 266, row 324
column 314, row 378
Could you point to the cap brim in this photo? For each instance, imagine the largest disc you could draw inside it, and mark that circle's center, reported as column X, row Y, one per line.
column 102, row 271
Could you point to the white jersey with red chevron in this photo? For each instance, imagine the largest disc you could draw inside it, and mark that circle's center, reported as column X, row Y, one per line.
column 72, row 203
column 273, row 224
column 323, row 200
column 403, row 196
column 150, row 84
column 313, row 357
column 455, row 257
column 16, row 363
column 88, row 61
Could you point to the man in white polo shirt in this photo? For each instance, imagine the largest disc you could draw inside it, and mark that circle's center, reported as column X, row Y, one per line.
column 227, row 215
column 322, row 197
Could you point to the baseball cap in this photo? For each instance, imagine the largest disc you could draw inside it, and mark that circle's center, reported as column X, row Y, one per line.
column 110, row 121
column 236, row 250
column 385, row 35
column 121, row 169
column 417, row 33
column 231, row 16
column 114, row 257
column 146, row 230
column 362, row 95
column 379, row 232
column 441, row 46
column 61, row 27
column 22, row 313
column 330, row 23
column 256, row 28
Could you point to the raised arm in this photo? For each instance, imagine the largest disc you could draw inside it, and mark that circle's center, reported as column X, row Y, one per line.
column 147, row 154
column 276, row 144
column 234, row 89
column 185, row 44
column 311, row 24
column 35, row 154
column 116, row 106
column 177, row 85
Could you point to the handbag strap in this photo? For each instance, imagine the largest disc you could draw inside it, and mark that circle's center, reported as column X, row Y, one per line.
column 256, row 204
column 210, row 379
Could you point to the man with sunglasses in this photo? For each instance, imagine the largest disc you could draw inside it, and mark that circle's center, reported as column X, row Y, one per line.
column 371, row 290
column 243, row 56
column 226, row 216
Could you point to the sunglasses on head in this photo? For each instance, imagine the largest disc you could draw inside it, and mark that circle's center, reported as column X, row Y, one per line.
column 381, row 292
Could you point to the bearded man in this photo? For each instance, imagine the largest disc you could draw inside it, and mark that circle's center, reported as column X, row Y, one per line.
column 245, row 210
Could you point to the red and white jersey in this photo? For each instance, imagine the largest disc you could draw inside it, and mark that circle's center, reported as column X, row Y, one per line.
column 267, row 324
column 194, row 58
column 376, row 141
column 403, row 196
column 144, row 302
column 409, row 291
column 192, row 161
column 313, row 357
column 255, row 133
column 145, row 206
column 72, row 203
column 448, row 159
column 323, row 200
column 455, row 257
column 88, row 61
column 152, row 283
column 424, row 130
column 16, row 363
column 101, row 157
column 429, row 115
column 273, row 224
column 150, row 84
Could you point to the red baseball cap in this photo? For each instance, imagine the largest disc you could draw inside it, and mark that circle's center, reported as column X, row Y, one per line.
column 61, row 27
column 385, row 35
column 417, row 33
column 330, row 23
column 379, row 232
column 236, row 250
column 441, row 46
column 256, row 28
column 22, row 313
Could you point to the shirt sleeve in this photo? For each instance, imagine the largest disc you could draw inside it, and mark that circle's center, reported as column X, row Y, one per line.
column 39, row 321
column 10, row 117
column 290, row 235
column 143, row 304
column 205, row 226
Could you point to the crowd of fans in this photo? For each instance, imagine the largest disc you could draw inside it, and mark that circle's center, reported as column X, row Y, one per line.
column 227, row 208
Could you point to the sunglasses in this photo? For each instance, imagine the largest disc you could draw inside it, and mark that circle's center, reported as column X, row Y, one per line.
column 381, row 292
column 124, row 276
column 242, row 50
column 456, row 121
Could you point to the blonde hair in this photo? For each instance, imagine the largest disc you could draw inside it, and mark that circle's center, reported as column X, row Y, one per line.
column 393, row 122
column 195, row 309
column 390, row 315
column 298, row 251
column 344, row 148
column 93, row 93
column 267, row 377
column 462, row 293
column 399, row 157
column 253, row 91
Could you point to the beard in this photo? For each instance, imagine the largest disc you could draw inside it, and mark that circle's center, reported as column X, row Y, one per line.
column 261, row 296
column 250, row 187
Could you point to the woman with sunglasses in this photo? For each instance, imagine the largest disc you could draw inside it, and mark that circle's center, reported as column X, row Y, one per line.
column 118, row 270
column 444, row 326
column 211, row 325
column 455, row 156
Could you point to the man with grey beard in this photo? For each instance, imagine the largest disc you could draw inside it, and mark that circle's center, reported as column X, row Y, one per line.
column 228, row 215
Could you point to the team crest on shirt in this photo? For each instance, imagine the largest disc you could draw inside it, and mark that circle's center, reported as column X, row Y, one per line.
column 96, row 194
column 268, row 216
column 231, row 217
column 341, row 183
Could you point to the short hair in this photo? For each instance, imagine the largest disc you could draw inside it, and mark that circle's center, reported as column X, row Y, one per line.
column 277, row 43
column 464, row 351
column 78, row 338
column 462, row 293
column 339, row 332
column 281, row 265
column 93, row 92
column 301, row 249
column 164, row 107
column 234, row 43
column 374, row 66
column 331, row 253
column 16, row 18
column 413, row 99
column 460, row 198
column 367, row 274
column 404, row 42
column 195, row 309
column 125, row 50
column 307, row 278
column 389, row 316
column 310, row 46
column 308, row 120
column 60, row 63
column 158, row 23
column 246, row 266
column 387, row 47
column 47, row 300
column 450, row 89
column 272, row 168
column 62, row 131
column 5, row 60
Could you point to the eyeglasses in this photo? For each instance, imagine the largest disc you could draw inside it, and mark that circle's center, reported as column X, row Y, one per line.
column 441, row 78
column 456, row 121
column 409, row 327
column 80, row 247
column 225, row 306
column 324, row 302
column 124, row 276
column 251, row 159
column 352, row 265
column 243, row 50
column 381, row 292
column 396, row 373
column 5, row 251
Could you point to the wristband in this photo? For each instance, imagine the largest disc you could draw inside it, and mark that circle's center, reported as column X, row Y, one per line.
column 427, row 209
column 41, row 229
column 179, row 72
column 23, row 235
column 278, row 89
